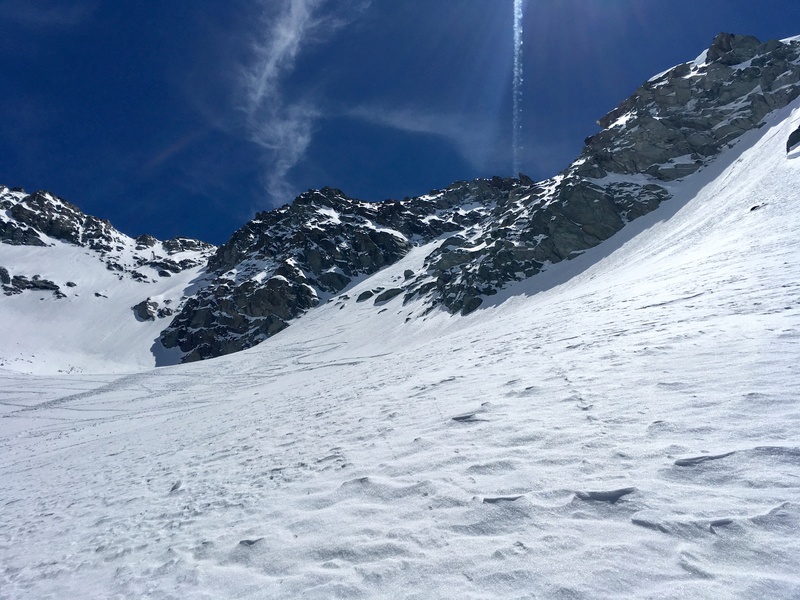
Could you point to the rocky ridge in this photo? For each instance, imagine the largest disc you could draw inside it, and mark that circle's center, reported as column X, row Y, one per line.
column 493, row 231
column 288, row 260
column 42, row 219
column 672, row 126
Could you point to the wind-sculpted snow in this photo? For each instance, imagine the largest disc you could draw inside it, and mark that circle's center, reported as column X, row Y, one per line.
column 622, row 425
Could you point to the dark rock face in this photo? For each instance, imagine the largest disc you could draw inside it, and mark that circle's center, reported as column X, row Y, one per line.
column 794, row 140
column 732, row 49
column 671, row 127
column 17, row 284
column 286, row 261
column 674, row 123
column 19, row 235
column 62, row 220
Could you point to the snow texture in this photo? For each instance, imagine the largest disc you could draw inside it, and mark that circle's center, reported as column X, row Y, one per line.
column 625, row 424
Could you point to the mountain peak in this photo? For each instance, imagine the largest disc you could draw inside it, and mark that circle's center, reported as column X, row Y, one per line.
column 733, row 48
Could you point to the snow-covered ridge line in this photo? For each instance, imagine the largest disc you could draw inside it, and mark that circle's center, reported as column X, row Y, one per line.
column 42, row 219
column 79, row 294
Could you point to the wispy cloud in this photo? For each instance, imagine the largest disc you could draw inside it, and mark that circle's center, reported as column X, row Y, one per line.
column 281, row 127
column 475, row 137
column 479, row 138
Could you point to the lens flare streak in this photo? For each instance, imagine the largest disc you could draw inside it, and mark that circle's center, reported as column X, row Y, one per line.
column 516, row 126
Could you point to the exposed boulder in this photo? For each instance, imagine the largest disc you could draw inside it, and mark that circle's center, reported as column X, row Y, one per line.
column 41, row 218
column 793, row 141
column 150, row 310
column 388, row 295
column 365, row 295
column 145, row 310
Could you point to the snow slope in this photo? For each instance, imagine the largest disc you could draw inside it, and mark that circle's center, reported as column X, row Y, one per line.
column 92, row 328
column 624, row 425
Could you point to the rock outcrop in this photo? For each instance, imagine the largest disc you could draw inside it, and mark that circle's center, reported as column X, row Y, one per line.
column 668, row 129
column 286, row 261
column 793, row 141
column 17, row 284
column 150, row 310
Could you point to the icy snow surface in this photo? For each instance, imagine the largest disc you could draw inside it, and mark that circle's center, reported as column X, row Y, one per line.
column 625, row 425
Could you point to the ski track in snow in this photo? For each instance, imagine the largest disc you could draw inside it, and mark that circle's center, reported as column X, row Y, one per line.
column 631, row 432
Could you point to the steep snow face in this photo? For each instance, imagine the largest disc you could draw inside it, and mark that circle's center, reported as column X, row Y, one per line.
column 625, row 424
column 70, row 283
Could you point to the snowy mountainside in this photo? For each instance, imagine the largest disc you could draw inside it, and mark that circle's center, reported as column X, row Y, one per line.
column 494, row 232
column 288, row 260
column 78, row 294
column 624, row 424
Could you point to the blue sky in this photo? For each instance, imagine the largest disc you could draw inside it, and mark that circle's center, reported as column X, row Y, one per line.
column 185, row 118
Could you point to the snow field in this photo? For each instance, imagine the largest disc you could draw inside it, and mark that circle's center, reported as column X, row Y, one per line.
column 624, row 425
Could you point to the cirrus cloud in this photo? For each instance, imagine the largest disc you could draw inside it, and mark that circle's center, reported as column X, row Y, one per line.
column 283, row 126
